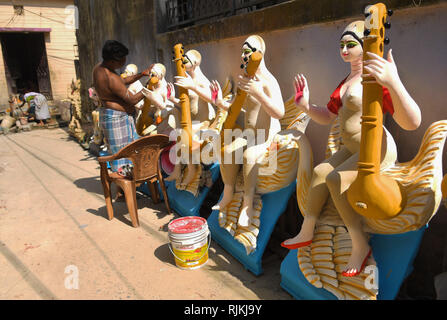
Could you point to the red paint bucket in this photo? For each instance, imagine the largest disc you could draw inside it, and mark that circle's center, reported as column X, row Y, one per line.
column 189, row 242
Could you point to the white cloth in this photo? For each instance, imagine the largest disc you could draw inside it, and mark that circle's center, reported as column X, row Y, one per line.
column 42, row 111
column 30, row 94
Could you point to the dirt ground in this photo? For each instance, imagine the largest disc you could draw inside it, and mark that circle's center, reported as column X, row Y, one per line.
column 54, row 226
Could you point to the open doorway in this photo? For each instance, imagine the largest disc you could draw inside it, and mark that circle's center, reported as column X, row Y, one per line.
column 26, row 63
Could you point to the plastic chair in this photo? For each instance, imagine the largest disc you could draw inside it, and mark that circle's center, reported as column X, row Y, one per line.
column 145, row 155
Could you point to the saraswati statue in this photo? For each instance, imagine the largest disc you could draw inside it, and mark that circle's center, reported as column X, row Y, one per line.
column 161, row 117
column 360, row 188
column 197, row 115
column 263, row 158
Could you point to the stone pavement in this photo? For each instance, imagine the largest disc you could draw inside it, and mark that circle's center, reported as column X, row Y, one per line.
column 53, row 216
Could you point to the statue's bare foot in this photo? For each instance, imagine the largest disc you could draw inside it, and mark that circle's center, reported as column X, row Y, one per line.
column 175, row 174
column 226, row 199
column 192, row 170
column 358, row 260
column 304, row 238
column 246, row 213
column 245, row 217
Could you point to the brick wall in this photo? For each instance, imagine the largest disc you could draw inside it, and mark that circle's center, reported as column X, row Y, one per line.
column 59, row 42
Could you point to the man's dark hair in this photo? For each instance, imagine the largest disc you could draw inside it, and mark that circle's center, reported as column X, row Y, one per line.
column 114, row 50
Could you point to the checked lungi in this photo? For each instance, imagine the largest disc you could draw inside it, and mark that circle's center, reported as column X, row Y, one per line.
column 119, row 131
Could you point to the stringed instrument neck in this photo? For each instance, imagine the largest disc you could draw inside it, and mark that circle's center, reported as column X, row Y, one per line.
column 373, row 195
column 144, row 121
column 185, row 121
column 241, row 96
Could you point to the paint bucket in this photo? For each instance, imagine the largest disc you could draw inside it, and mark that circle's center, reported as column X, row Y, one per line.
column 189, row 242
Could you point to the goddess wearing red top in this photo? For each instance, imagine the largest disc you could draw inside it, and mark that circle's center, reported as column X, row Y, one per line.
column 335, row 103
column 335, row 175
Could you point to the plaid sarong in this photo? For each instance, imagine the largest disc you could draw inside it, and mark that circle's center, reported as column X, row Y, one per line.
column 119, row 131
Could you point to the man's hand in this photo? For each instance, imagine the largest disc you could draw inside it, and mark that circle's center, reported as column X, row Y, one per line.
column 384, row 71
column 147, row 72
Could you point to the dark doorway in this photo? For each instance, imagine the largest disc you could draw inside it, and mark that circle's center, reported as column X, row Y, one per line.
column 26, row 63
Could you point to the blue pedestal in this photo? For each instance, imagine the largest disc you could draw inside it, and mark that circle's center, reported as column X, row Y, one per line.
column 184, row 203
column 274, row 205
column 394, row 255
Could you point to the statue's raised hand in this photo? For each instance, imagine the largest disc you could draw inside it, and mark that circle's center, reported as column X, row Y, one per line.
column 185, row 82
column 171, row 91
column 216, row 92
column 302, row 93
column 217, row 95
column 384, row 71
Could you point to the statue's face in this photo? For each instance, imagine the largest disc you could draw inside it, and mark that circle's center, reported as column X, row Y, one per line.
column 188, row 61
column 246, row 53
column 350, row 49
column 250, row 46
column 156, row 72
column 131, row 71
column 153, row 73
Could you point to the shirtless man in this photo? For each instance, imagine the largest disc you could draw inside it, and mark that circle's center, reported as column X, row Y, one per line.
column 263, row 109
column 118, row 104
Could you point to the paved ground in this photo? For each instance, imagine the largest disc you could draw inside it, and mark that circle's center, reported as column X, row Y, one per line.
column 52, row 215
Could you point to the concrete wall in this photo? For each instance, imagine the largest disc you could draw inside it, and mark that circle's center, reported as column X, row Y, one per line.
column 309, row 47
column 59, row 42
column 418, row 42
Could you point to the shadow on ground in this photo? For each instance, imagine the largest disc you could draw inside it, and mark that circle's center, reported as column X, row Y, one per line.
column 265, row 287
column 164, row 254
column 91, row 185
column 121, row 212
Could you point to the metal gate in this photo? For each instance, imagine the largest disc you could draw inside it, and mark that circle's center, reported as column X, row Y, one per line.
column 182, row 13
